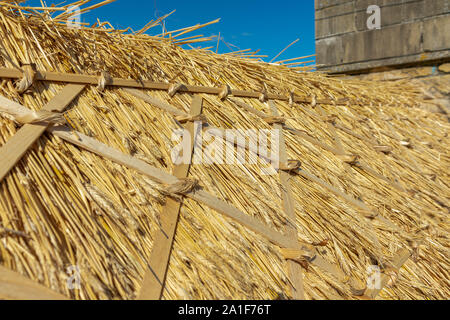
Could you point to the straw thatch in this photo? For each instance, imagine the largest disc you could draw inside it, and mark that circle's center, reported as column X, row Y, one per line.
column 62, row 206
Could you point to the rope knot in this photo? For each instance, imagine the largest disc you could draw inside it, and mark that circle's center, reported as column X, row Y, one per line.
column 291, row 98
column 174, row 88
column 54, row 118
column 351, row 159
column 29, row 74
column 182, row 186
column 104, row 80
column 384, row 149
column 226, row 91
column 263, row 97
column 291, row 165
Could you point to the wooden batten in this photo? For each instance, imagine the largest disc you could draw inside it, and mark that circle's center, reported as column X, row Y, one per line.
column 294, row 269
column 14, row 286
column 154, row 280
column 18, row 145
column 144, row 84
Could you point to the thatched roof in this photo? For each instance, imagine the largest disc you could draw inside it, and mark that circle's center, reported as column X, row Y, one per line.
column 373, row 187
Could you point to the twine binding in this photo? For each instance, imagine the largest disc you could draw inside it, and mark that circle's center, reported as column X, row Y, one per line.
column 104, row 80
column 29, row 74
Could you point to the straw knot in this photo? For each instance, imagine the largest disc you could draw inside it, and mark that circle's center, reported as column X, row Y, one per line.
column 291, row 99
column 104, row 80
column 199, row 118
column 351, row 159
column 392, row 276
column 275, row 120
column 174, row 88
column 42, row 116
column 313, row 101
column 263, row 97
column 331, row 119
column 406, row 143
column 182, row 186
column 383, row 149
column 29, row 74
column 291, row 165
column 226, row 91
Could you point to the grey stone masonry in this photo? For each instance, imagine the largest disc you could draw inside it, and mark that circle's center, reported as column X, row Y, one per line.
column 410, row 31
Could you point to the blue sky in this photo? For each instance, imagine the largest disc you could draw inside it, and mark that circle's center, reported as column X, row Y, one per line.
column 269, row 25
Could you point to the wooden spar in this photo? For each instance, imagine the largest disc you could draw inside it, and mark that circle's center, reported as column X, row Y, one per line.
column 145, row 84
column 154, row 279
column 294, row 269
column 156, row 102
column 14, row 286
column 162, row 177
column 337, row 141
column 18, row 145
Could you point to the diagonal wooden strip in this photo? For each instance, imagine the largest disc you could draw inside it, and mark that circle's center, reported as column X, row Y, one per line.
column 200, row 196
column 160, row 176
column 14, row 286
column 244, row 219
column 248, row 108
column 294, row 269
column 399, row 260
column 354, row 134
column 156, row 102
column 339, row 146
column 154, row 279
column 18, row 145
column 375, row 174
column 314, row 141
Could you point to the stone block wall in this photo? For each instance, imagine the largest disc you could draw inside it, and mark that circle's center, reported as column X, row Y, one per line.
column 411, row 32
